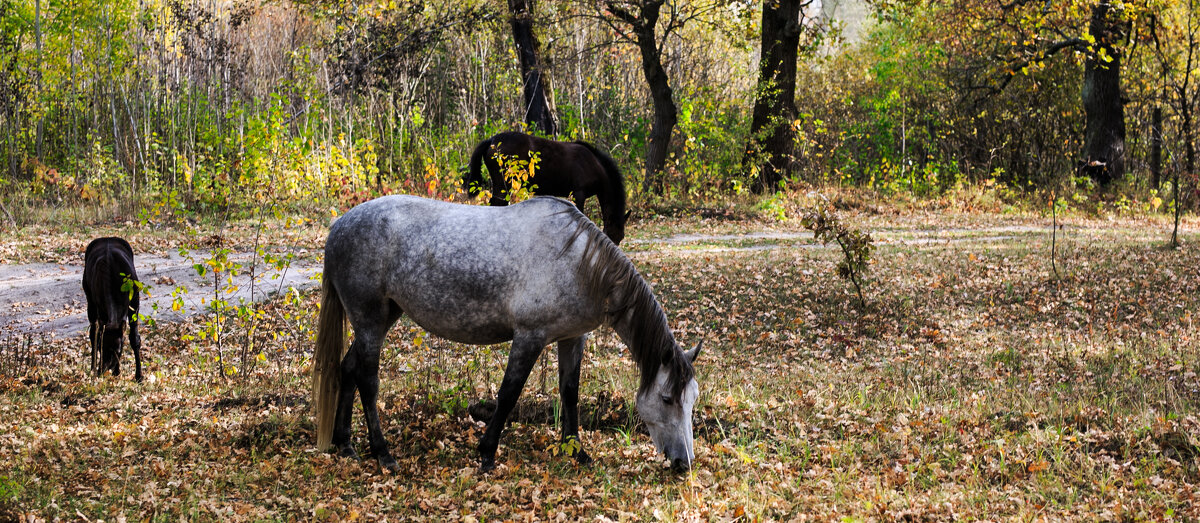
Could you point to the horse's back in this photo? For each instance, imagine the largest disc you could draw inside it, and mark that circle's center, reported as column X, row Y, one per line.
column 107, row 264
column 468, row 273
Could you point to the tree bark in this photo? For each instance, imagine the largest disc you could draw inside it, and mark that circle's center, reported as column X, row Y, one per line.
column 539, row 111
column 770, row 146
column 37, row 38
column 1156, row 143
column 1104, row 134
column 661, row 96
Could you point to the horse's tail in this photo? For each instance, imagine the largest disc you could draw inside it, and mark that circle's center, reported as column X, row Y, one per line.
column 616, row 186
column 474, row 179
column 327, row 360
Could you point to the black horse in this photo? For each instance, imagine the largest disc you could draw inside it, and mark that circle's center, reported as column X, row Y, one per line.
column 576, row 170
column 112, row 301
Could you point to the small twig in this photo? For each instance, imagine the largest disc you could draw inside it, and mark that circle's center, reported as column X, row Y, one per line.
column 1054, row 233
column 8, row 214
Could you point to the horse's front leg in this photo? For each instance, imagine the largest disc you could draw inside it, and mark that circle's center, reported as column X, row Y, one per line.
column 570, row 356
column 135, row 342
column 524, row 353
column 367, row 376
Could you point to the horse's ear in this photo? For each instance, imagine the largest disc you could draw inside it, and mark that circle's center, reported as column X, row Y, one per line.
column 691, row 354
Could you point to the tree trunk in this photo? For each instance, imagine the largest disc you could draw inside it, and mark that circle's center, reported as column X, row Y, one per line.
column 1104, row 135
column 1156, row 143
column 661, row 97
column 769, row 148
column 665, row 112
column 1189, row 159
column 539, row 111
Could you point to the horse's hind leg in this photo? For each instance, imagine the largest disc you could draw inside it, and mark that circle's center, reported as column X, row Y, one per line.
column 367, row 377
column 135, row 343
column 524, row 353
column 93, row 331
column 345, row 403
column 570, row 356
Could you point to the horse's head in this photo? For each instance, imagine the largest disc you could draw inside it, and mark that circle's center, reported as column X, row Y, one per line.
column 112, row 342
column 668, row 414
column 614, row 226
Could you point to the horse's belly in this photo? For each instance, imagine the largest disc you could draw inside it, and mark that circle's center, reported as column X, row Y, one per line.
column 461, row 330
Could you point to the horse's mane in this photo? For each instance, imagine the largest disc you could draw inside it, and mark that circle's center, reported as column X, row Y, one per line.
column 615, row 189
column 627, row 299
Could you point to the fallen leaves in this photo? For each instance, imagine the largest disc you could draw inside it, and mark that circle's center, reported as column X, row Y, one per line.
column 973, row 388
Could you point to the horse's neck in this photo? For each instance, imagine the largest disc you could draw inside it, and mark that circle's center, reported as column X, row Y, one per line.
column 612, row 205
column 642, row 326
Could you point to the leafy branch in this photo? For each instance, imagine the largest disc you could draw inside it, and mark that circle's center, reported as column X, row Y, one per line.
column 827, row 227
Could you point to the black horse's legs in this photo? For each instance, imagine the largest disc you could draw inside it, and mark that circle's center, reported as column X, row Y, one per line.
column 135, row 343
column 367, row 377
column 570, row 356
column 93, row 330
column 341, row 420
column 499, row 186
column 524, row 353
column 94, row 342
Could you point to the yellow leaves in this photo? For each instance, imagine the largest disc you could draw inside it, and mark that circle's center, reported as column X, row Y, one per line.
column 1038, row 466
column 88, row 193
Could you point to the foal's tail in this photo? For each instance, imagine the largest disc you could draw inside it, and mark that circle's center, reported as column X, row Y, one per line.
column 327, row 360
column 474, row 180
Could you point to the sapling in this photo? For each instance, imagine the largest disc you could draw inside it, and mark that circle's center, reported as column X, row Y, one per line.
column 827, row 227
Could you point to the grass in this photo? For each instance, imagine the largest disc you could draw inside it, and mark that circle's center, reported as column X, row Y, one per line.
column 974, row 385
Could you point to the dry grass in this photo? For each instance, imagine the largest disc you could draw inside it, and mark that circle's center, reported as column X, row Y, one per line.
column 974, row 386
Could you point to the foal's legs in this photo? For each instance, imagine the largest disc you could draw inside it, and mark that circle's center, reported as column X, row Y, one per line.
column 570, row 355
column 526, row 347
column 135, row 342
column 93, row 329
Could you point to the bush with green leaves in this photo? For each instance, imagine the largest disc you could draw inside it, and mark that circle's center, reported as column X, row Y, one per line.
column 856, row 245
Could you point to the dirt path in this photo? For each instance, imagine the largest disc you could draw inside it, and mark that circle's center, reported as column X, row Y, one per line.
column 48, row 299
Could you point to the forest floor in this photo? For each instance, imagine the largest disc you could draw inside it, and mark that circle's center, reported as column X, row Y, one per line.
column 975, row 383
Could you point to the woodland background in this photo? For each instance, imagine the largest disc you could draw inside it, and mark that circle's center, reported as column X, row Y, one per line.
column 1016, row 180
column 201, row 106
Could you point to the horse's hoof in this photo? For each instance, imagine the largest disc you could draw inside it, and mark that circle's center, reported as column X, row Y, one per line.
column 138, row 378
column 347, row 451
column 388, row 463
column 583, row 458
column 487, row 465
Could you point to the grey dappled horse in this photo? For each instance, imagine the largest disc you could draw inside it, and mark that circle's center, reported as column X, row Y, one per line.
column 535, row 273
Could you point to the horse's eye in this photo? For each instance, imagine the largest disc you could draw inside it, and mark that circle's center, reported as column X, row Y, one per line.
column 667, row 400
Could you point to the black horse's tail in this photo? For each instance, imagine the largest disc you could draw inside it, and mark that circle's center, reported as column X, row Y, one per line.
column 327, row 360
column 474, row 180
column 615, row 188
